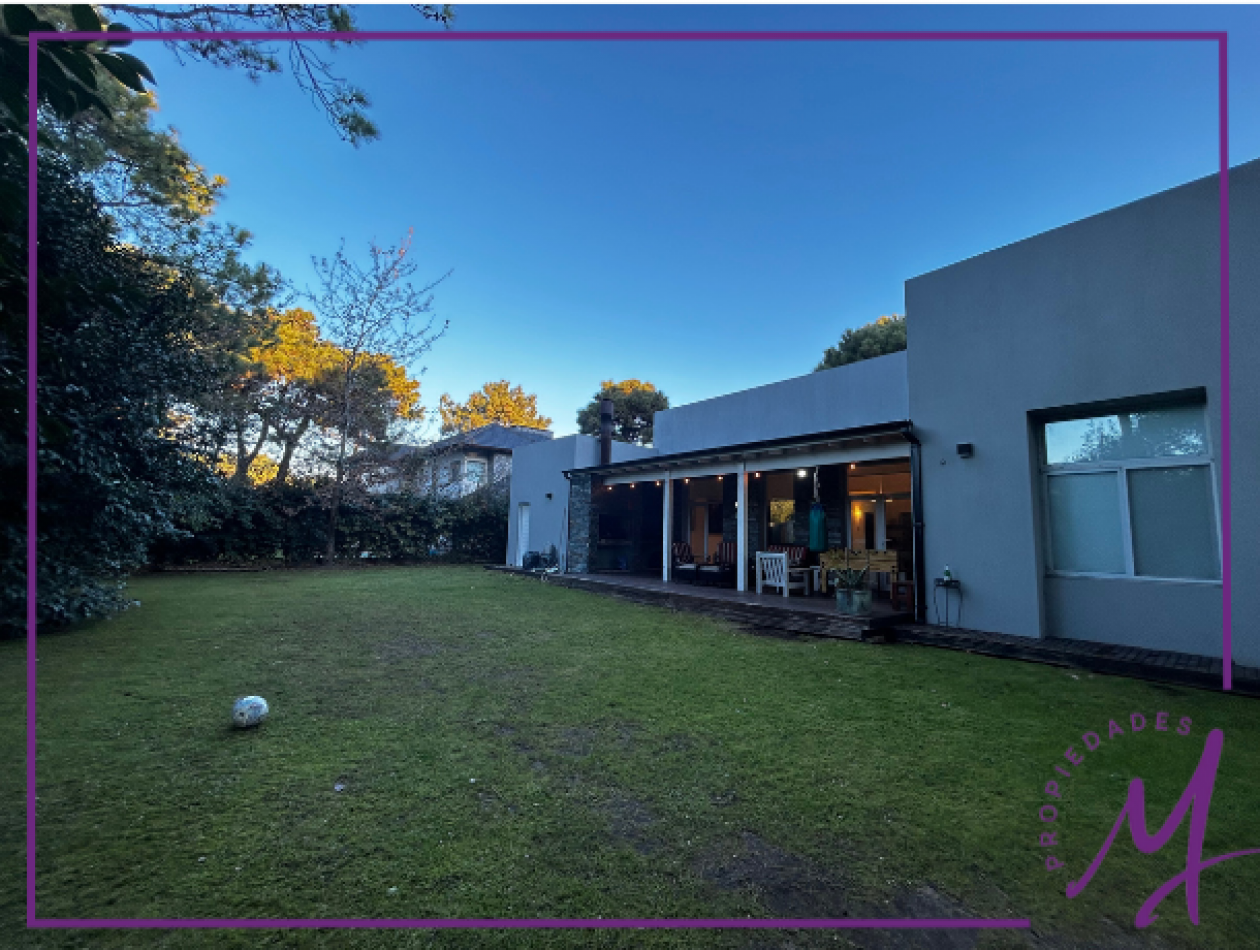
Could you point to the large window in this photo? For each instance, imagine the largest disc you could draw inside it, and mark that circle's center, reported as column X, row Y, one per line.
column 1131, row 494
column 475, row 471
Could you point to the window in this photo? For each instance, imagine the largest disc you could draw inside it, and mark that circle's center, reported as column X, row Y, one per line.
column 475, row 471
column 779, row 523
column 1131, row 494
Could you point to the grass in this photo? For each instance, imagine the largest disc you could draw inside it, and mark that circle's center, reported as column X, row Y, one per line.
column 509, row 749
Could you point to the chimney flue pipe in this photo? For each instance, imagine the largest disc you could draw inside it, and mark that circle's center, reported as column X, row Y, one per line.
column 605, row 431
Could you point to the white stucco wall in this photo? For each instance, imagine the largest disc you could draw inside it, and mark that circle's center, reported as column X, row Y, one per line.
column 538, row 470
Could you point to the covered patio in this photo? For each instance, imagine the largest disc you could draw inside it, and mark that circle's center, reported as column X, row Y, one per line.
column 698, row 519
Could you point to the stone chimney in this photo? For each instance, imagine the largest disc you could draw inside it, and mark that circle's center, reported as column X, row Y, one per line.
column 605, row 431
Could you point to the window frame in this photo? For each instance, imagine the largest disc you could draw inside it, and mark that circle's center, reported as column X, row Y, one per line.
column 471, row 468
column 1120, row 469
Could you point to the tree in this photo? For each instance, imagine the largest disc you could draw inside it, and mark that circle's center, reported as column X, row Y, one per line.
column 634, row 403
column 120, row 346
column 71, row 75
column 379, row 323
column 499, row 402
column 344, row 104
column 886, row 335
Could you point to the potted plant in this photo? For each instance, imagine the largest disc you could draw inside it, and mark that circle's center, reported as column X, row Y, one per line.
column 852, row 594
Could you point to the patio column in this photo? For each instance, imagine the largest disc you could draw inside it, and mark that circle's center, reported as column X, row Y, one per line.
column 667, row 498
column 741, row 531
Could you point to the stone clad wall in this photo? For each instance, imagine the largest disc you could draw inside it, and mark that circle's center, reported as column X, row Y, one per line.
column 730, row 514
column 756, row 513
column 833, row 484
column 580, row 517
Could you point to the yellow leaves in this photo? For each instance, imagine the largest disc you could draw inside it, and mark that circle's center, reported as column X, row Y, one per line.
column 404, row 390
column 298, row 354
column 262, row 469
column 627, row 385
column 499, row 402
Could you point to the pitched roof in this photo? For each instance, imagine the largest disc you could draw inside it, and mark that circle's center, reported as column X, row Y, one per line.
column 494, row 436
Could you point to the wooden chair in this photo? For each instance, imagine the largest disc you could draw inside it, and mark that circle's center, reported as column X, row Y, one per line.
column 795, row 553
column 773, row 571
column 721, row 571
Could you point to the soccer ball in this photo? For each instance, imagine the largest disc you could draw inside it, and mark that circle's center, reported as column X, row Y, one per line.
column 249, row 711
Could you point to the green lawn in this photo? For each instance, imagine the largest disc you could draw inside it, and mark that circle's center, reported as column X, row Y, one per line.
column 510, row 749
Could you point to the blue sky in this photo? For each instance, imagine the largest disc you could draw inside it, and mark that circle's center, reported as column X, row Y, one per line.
column 707, row 216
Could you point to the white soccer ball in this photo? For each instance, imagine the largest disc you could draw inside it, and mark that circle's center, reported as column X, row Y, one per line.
column 249, row 711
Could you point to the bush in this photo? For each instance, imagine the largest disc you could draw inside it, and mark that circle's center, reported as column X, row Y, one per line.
column 290, row 524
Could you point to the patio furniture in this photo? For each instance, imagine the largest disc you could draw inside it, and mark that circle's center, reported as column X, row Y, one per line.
column 795, row 553
column 834, row 560
column 947, row 584
column 720, row 571
column 875, row 562
column 773, row 570
column 901, row 594
column 881, row 562
column 684, row 565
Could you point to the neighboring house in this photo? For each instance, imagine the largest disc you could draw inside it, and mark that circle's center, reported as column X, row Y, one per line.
column 1052, row 433
column 461, row 464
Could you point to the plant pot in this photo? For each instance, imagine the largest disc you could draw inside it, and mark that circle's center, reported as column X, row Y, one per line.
column 861, row 601
column 844, row 601
column 853, row 602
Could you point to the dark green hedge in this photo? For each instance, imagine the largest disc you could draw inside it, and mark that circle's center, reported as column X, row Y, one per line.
column 290, row 524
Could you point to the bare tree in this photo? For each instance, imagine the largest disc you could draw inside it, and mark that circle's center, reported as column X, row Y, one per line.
column 377, row 318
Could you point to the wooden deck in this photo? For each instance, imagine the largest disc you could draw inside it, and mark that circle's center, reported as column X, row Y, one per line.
column 817, row 616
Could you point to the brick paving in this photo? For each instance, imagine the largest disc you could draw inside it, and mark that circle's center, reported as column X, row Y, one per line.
column 806, row 616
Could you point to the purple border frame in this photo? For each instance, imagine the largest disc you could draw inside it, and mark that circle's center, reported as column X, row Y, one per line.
column 34, row 922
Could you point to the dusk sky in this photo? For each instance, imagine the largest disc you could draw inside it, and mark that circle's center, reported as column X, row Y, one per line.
column 707, row 216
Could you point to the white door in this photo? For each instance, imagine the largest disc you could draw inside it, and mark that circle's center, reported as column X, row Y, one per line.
column 522, row 532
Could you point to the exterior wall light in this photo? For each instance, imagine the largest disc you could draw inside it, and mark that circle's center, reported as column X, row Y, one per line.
column 965, row 450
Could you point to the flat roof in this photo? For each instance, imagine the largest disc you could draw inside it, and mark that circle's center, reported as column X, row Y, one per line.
column 797, row 442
